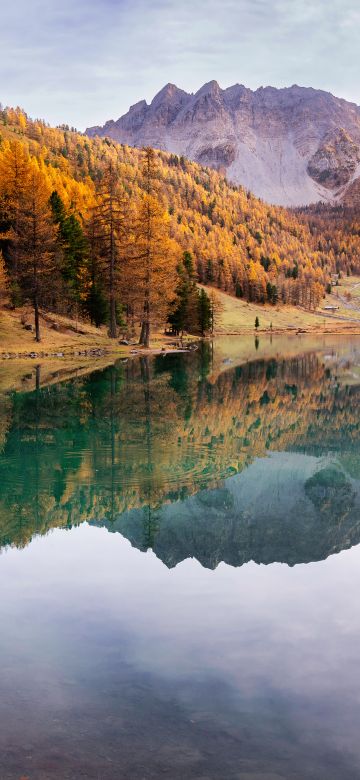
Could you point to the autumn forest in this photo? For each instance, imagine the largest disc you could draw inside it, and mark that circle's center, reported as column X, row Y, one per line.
column 123, row 237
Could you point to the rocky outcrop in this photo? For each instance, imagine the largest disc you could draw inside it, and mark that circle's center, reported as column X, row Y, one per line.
column 335, row 161
column 291, row 146
column 351, row 196
column 217, row 156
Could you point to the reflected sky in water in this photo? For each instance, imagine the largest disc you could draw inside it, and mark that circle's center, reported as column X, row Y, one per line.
column 129, row 668
column 128, row 647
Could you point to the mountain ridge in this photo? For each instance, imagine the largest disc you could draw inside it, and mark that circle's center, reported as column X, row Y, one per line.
column 291, row 146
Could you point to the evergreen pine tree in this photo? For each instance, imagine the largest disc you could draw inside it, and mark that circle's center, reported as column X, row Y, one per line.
column 95, row 303
column 185, row 316
column 204, row 312
column 75, row 250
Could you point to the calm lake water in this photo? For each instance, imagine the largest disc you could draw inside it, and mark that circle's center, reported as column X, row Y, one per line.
column 180, row 567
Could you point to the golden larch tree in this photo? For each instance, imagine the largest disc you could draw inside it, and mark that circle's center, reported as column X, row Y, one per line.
column 156, row 255
column 14, row 180
column 34, row 242
column 4, row 280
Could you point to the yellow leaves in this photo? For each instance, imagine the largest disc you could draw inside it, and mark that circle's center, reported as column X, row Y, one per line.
column 14, row 170
column 39, row 185
column 276, row 260
column 22, row 121
column 217, row 222
column 255, row 271
column 4, row 280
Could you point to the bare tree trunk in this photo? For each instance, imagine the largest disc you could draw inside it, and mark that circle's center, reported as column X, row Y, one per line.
column 37, row 320
column 142, row 333
column 147, row 335
column 113, row 327
column 145, row 325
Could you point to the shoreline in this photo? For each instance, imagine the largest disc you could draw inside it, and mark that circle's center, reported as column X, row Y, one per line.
column 162, row 346
column 76, row 340
column 98, row 352
column 26, row 374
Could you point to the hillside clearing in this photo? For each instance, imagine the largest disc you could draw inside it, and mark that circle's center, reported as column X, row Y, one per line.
column 238, row 316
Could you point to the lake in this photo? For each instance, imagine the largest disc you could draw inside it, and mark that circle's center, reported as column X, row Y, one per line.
column 180, row 566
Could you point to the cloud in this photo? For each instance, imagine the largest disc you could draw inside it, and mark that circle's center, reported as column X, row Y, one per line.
column 87, row 61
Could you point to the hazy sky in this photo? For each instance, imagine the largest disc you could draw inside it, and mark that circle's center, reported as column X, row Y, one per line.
column 85, row 61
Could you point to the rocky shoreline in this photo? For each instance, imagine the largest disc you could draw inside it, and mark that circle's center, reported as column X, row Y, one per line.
column 97, row 352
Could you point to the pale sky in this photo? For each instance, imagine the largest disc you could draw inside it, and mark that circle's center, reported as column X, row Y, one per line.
column 85, row 61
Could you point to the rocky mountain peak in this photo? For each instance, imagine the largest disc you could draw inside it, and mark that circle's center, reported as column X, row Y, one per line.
column 290, row 146
column 168, row 94
column 211, row 88
column 139, row 107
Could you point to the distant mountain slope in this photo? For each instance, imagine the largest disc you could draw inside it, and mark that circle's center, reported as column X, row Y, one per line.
column 291, row 146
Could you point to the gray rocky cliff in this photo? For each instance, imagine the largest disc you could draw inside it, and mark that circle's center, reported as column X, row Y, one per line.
column 291, row 146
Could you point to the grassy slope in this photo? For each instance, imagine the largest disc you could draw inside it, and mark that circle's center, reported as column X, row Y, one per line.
column 238, row 317
column 13, row 337
column 69, row 340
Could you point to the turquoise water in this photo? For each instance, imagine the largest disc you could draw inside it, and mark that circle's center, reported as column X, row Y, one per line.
column 180, row 569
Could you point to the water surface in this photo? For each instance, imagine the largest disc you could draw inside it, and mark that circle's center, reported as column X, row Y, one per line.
column 180, row 568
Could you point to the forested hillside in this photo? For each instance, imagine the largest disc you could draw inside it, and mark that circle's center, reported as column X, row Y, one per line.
column 100, row 230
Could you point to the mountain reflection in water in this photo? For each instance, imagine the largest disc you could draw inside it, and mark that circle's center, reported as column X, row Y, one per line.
column 259, row 462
